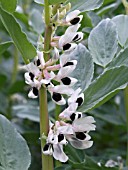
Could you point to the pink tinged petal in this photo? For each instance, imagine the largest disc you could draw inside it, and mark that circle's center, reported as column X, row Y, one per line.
column 61, row 139
column 59, row 154
column 56, row 54
column 78, row 37
column 69, row 47
column 33, row 93
column 76, row 115
column 54, row 68
column 72, row 15
column 64, row 58
column 47, row 150
column 84, row 124
column 28, row 79
column 80, row 144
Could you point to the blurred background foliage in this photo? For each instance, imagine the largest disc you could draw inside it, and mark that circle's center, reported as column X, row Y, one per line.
column 110, row 135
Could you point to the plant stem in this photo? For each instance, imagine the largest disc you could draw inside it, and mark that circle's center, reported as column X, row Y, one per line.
column 125, row 3
column 126, row 109
column 47, row 161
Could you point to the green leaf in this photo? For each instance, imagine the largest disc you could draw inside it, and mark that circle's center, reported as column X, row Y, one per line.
column 19, row 38
column 120, row 60
column 36, row 21
column 52, row 2
column 85, row 67
column 121, row 22
column 4, row 46
column 103, row 86
column 87, row 5
column 9, row 5
column 14, row 152
column 103, row 42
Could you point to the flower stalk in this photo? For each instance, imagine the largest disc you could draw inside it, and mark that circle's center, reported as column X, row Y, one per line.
column 47, row 161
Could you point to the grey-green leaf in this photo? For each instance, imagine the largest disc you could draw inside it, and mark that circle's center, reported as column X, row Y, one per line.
column 120, row 60
column 121, row 22
column 14, row 152
column 19, row 38
column 85, row 67
column 85, row 5
column 39, row 2
column 9, row 5
column 103, row 42
column 104, row 85
column 4, row 46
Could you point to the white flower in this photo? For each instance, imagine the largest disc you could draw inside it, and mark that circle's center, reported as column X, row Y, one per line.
column 68, row 36
column 76, row 97
column 72, row 15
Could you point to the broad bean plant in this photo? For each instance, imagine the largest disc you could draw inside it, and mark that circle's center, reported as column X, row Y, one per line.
column 63, row 85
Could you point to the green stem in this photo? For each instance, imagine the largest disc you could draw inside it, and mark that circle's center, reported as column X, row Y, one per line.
column 15, row 65
column 125, row 3
column 126, row 109
column 47, row 161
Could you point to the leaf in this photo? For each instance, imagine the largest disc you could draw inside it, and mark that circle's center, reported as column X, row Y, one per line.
column 121, row 22
column 85, row 67
column 103, row 86
column 120, row 60
column 36, row 21
column 87, row 5
column 41, row 2
column 9, row 5
column 14, row 152
column 52, row 2
column 19, row 38
column 4, row 46
column 103, row 42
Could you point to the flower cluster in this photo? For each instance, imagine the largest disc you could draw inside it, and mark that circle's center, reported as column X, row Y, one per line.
column 54, row 75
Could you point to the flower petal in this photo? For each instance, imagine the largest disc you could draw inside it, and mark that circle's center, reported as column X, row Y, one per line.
column 33, row 93
column 72, row 15
column 59, row 154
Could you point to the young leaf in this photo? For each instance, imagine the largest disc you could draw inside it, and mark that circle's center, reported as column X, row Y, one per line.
column 121, row 22
column 103, row 86
column 85, row 67
column 14, row 152
column 4, row 46
column 19, row 38
column 9, row 5
column 103, row 42
column 87, row 5
column 120, row 60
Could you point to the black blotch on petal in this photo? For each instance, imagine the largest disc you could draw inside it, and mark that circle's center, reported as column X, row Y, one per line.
column 66, row 80
column 38, row 62
column 66, row 46
column 75, row 21
column 68, row 64
column 31, row 76
column 35, row 91
column 60, row 137
column 80, row 135
column 72, row 117
column 79, row 101
column 56, row 96
column 76, row 37
column 46, row 147
column 79, row 116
